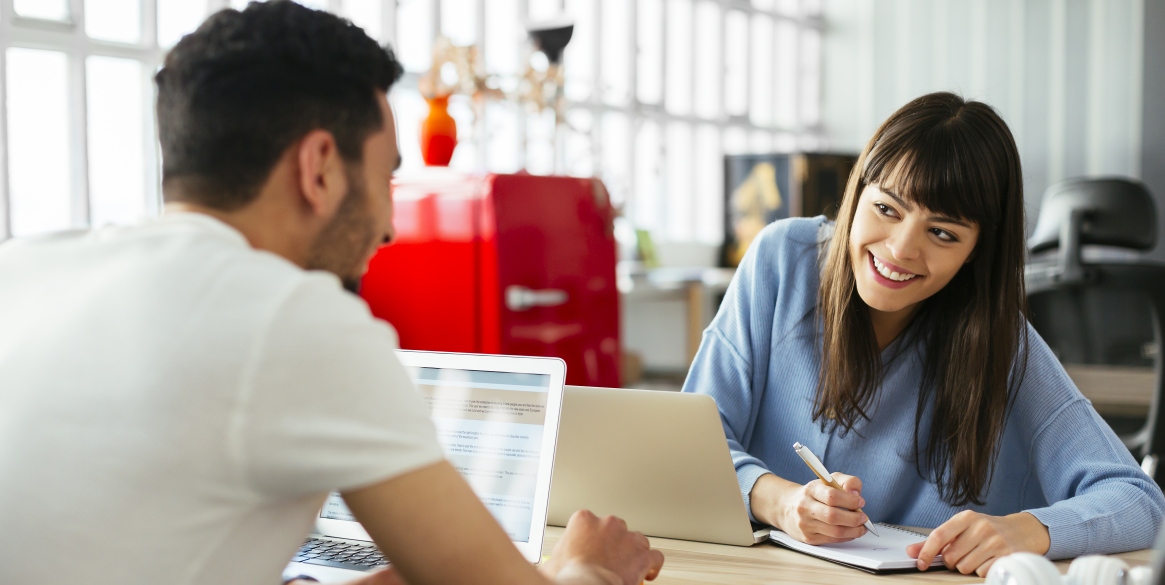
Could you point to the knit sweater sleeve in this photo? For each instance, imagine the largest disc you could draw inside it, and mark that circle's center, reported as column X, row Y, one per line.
column 1102, row 502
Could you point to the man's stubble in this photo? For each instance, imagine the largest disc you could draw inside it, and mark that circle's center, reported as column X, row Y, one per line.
column 346, row 240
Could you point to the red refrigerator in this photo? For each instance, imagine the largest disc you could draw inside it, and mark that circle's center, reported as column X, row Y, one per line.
column 507, row 264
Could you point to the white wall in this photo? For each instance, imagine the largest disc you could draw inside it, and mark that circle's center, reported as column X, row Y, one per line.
column 1066, row 75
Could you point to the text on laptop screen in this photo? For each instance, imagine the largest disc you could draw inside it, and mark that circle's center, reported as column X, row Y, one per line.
column 490, row 425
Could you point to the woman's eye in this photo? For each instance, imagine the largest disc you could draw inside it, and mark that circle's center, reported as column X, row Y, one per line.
column 944, row 235
column 884, row 209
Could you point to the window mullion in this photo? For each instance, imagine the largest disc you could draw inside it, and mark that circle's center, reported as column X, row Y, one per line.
column 149, row 24
column 6, row 14
column 78, row 131
column 480, row 122
column 632, row 108
column 693, row 146
column 523, row 116
column 388, row 23
column 596, row 97
column 662, row 204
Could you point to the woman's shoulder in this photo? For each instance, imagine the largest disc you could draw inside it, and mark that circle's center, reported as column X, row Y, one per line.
column 791, row 237
column 784, row 263
column 1045, row 387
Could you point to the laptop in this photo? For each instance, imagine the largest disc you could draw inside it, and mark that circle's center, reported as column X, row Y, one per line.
column 657, row 459
column 493, row 414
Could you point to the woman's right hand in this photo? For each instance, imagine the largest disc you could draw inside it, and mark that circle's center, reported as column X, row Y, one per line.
column 813, row 513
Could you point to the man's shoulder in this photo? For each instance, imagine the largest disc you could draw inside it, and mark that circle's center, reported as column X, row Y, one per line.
column 203, row 251
column 175, row 270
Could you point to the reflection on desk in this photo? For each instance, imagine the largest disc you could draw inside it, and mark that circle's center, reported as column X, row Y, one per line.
column 689, row 563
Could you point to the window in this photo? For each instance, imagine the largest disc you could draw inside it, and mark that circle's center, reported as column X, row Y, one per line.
column 38, row 132
column 657, row 91
column 78, row 127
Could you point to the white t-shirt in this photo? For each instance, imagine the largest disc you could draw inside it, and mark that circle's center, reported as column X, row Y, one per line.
column 175, row 405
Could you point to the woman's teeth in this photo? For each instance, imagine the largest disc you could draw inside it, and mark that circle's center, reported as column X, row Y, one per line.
column 890, row 273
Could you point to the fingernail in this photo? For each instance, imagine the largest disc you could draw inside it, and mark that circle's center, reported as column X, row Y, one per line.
column 921, row 566
column 861, row 502
column 854, row 492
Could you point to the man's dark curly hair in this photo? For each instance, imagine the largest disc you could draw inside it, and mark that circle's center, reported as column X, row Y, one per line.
column 234, row 94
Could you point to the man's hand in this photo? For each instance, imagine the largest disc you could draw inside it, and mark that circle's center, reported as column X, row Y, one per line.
column 813, row 513
column 408, row 518
column 590, row 542
column 971, row 542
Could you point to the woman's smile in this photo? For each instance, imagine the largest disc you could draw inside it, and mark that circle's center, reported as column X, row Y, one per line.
column 891, row 275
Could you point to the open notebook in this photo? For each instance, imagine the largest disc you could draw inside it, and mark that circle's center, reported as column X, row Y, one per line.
column 875, row 554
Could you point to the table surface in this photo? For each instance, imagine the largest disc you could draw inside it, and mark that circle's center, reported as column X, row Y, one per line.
column 689, row 563
column 1115, row 390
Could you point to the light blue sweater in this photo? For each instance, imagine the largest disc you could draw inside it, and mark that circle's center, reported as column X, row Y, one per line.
column 1058, row 460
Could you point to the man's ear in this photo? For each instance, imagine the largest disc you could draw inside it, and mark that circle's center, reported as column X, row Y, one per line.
column 322, row 181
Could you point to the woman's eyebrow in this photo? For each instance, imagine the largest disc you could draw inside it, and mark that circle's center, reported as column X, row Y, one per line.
column 910, row 208
column 899, row 200
column 948, row 219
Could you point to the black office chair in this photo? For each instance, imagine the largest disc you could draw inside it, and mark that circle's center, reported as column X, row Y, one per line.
column 1104, row 304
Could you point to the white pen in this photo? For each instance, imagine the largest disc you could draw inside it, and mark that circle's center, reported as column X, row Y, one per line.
column 827, row 478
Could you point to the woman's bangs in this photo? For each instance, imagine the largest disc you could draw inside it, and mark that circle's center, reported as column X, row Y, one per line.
column 935, row 174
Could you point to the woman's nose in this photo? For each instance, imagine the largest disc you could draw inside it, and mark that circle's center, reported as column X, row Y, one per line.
column 904, row 245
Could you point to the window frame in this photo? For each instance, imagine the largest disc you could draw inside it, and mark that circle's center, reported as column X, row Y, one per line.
column 803, row 136
column 71, row 39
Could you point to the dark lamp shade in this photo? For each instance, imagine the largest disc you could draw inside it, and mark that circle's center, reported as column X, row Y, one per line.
column 552, row 41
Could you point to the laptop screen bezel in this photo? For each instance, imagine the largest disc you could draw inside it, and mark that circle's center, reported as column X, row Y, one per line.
column 556, row 369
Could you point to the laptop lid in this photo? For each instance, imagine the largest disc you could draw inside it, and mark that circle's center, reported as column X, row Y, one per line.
column 657, row 459
column 497, row 418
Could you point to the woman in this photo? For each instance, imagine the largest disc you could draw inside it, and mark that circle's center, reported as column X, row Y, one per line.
column 894, row 344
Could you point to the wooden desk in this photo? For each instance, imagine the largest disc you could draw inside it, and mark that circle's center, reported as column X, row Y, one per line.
column 689, row 563
column 1115, row 390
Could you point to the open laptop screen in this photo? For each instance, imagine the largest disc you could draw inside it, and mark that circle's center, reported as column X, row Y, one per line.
column 491, row 426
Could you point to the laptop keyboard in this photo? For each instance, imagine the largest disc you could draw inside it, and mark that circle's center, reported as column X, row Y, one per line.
column 343, row 554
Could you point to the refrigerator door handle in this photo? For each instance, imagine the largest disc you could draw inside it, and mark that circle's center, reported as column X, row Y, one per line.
column 520, row 298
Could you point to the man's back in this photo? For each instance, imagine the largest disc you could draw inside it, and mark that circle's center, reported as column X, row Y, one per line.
column 174, row 405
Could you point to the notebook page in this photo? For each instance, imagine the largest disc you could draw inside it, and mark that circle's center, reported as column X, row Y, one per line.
column 887, row 551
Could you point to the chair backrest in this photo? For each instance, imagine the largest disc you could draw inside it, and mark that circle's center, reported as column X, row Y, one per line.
column 1116, row 212
column 1107, row 212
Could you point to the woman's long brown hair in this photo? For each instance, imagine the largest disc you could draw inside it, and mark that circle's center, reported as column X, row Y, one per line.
column 957, row 158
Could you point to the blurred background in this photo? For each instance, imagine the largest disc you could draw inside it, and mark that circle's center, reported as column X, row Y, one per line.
column 581, row 177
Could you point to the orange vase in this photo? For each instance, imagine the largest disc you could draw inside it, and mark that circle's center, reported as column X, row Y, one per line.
column 438, row 133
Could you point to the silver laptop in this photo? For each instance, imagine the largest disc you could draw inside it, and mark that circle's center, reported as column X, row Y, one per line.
column 657, row 459
column 493, row 413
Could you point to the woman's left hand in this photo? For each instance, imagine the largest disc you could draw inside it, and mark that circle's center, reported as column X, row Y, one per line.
column 971, row 542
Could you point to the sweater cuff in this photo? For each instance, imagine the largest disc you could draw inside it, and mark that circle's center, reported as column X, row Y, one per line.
column 746, row 476
column 1067, row 539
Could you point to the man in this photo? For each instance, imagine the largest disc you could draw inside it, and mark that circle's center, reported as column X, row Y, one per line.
column 177, row 398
